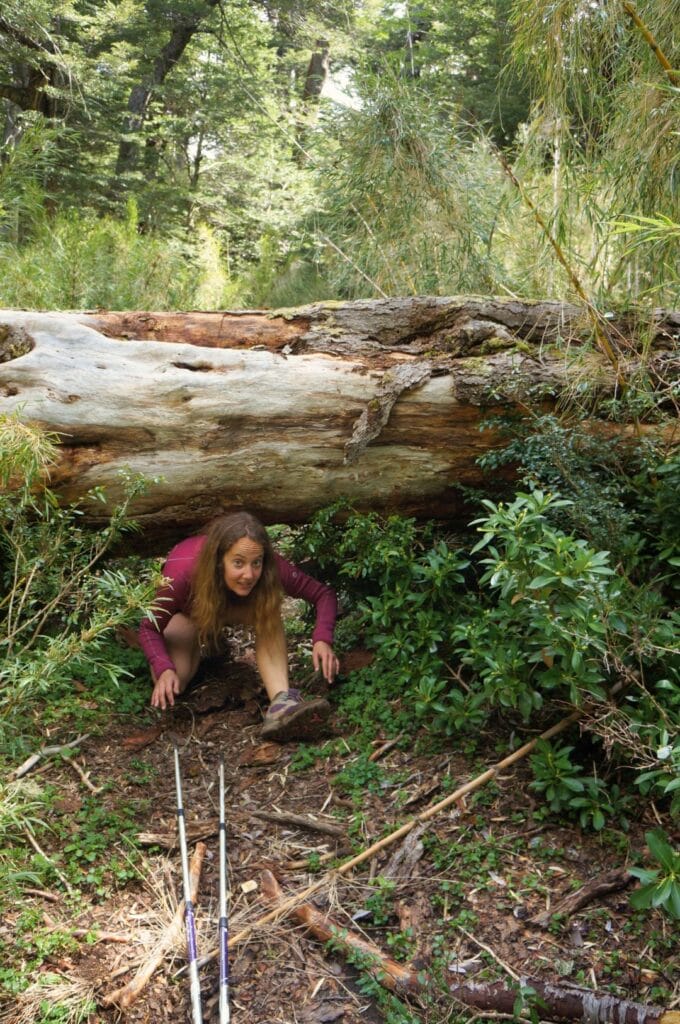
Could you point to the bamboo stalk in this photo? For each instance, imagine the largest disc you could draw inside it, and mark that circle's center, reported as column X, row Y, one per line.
column 673, row 75
column 595, row 317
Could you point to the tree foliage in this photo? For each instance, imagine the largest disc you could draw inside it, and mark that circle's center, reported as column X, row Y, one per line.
column 218, row 116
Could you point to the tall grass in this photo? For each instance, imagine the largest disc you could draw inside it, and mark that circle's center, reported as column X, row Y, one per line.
column 79, row 260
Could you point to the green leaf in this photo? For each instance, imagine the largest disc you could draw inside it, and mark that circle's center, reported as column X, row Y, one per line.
column 542, row 581
column 641, row 899
column 662, row 851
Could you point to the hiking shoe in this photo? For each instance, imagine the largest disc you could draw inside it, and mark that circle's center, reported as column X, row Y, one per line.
column 289, row 717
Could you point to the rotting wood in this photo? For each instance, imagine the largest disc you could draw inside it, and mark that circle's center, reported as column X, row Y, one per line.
column 124, row 997
column 388, row 972
column 601, row 885
column 403, row 861
column 378, row 402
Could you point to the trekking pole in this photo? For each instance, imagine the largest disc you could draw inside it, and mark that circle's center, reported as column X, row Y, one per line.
column 223, row 926
column 189, row 921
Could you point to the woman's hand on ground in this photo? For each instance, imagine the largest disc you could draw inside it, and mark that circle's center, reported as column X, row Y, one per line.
column 166, row 689
column 323, row 658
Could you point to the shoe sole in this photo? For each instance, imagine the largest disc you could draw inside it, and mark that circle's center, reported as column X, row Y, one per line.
column 305, row 722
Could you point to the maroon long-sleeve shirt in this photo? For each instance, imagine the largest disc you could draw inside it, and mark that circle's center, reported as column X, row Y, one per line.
column 175, row 597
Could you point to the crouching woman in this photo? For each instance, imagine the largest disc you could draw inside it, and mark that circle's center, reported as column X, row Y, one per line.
column 231, row 576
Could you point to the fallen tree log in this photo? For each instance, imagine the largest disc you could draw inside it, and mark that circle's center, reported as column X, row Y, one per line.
column 376, row 401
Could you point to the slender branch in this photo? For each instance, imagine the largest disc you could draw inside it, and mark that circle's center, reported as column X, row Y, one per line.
column 32, row 761
column 39, row 850
column 297, row 898
column 595, row 317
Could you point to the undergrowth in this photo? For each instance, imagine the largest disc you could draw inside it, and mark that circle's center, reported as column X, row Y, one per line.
column 562, row 596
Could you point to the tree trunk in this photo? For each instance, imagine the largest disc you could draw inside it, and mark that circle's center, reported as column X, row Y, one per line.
column 376, row 401
column 315, row 77
column 142, row 92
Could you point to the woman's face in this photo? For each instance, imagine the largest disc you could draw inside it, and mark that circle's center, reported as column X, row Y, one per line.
column 243, row 566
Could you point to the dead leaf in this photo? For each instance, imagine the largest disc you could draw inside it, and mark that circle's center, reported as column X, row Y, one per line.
column 139, row 740
column 353, row 660
column 266, row 753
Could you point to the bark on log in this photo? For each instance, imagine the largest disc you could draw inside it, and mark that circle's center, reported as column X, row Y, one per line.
column 378, row 401
column 563, row 1004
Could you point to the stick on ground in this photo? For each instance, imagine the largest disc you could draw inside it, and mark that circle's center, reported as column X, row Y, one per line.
column 125, row 996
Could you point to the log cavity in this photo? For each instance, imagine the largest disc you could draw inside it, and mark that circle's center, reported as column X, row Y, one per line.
column 195, row 367
column 14, row 343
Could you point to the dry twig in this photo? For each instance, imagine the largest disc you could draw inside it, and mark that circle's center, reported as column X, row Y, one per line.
column 125, row 996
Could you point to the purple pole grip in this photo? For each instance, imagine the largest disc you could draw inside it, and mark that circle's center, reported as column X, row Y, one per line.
column 224, row 951
column 191, row 932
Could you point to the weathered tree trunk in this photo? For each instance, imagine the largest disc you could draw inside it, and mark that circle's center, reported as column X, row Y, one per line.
column 376, row 401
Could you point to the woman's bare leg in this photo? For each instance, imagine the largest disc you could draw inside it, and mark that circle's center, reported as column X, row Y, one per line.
column 272, row 661
column 288, row 716
column 181, row 640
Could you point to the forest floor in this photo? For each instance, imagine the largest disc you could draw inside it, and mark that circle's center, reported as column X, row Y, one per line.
column 458, row 898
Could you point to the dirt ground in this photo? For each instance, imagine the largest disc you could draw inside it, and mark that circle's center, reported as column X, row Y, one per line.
column 468, row 918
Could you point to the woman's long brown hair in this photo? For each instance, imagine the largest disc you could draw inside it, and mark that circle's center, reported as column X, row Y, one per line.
column 211, row 600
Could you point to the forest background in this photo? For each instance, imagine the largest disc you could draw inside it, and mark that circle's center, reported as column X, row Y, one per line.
column 196, row 154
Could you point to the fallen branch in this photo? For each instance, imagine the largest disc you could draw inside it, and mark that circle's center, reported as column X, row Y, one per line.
column 297, row 898
column 601, row 885
column 126, row 996
column 555, row 1003
column 196, row 832
column 297, row 865
column 385, row 747
column 41, row 853
column 84, row 776
column 32, row 761
column 51, row 897
column 388, row 972
column 299, row 819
